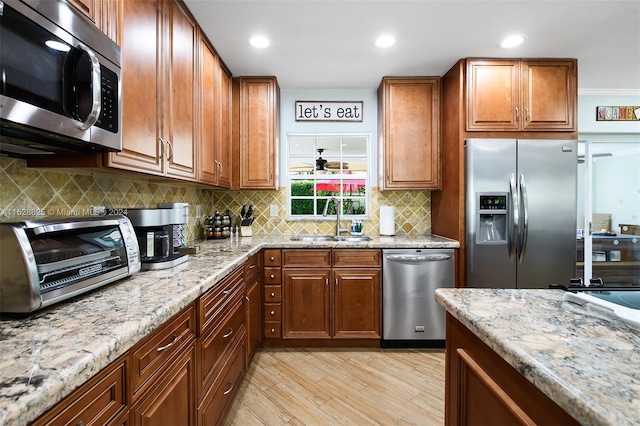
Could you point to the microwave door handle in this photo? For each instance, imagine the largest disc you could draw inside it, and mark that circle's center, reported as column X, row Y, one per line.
column 525, row 216
column 96, row 89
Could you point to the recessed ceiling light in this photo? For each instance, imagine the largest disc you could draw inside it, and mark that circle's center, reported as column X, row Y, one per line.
column 259, row 41
column 385, row 41
column 512, row 41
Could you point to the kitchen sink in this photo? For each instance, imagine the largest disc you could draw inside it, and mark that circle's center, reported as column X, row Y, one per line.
column 314, row 238
column 347, row 238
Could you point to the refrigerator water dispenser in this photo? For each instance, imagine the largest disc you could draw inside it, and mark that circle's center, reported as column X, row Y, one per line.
column 492, row 218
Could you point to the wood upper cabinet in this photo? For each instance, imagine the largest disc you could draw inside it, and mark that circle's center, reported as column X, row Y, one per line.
column 521, row 95
column 409, row 133
column 256, row 127
column 215, row 118
column 158, row 89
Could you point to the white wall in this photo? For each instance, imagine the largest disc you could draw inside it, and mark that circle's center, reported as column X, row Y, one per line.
column 369, row 123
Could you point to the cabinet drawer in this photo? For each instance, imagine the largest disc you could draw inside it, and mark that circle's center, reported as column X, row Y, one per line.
column 214, row 303
column 347, row 258
column 220, row 341
column 272, row 312
column 272, row 276
column 272, row 330
column 306, row 257
column 99, row 401
column 251, row 267
column 150, row 354
column 217, row 402
column 272, row 258
column 272, row 293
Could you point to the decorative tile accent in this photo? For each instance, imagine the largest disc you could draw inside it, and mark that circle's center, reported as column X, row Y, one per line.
column 74, row 192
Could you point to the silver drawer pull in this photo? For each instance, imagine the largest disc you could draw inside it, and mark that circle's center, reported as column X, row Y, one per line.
column 272, row 276
column 229, row 333
column 272, row 312
column 229, row 390
column 273, row 330
column 227, row 291
column 252, row 266
column 273, row 294
column 272, row 258
column 168, row 345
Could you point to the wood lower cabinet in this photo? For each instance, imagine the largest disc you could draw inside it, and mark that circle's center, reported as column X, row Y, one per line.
column 409, row 133
column 331, row 294
column 256, row 132
column 521, row 94
column 481, row 388
column 253, row 306
column 172, row 398
column 101, row 401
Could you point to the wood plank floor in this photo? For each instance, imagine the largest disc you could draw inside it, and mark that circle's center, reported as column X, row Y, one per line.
column 342, row 387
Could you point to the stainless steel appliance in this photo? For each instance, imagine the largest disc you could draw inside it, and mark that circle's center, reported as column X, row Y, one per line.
column 154, row 229
column 520, row 212
column 411, row 317
column 60, row 89
column 46, row 261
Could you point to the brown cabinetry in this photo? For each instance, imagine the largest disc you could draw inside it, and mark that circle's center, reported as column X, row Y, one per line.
column 214, row 118
column 253, row 305
column 409, row 133
column 101, row 401
column 272, row 295
column 331, row 294
column 255, row 131
column 482, row 388
column 521, row 95
column 158, row 90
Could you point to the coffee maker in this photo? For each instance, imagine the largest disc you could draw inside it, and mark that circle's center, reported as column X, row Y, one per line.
column 157, row 234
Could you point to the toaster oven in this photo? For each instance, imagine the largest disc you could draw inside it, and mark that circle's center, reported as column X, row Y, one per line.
column 45, row 261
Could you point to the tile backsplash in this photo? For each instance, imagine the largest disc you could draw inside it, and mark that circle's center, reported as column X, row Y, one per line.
column 29, row 191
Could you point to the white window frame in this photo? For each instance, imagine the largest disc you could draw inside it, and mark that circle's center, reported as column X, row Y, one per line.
column 367, row 177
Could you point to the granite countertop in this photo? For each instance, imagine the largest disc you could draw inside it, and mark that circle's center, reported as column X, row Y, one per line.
column 583, row 358
column 46, row 356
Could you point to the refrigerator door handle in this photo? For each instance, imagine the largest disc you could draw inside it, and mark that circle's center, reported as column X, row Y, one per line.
column 512, row 228
column 525, row 216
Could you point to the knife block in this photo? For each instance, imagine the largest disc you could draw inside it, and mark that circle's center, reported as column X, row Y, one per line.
column 245, row 231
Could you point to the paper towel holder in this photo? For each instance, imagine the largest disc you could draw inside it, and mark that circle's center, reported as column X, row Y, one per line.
column 387, row 220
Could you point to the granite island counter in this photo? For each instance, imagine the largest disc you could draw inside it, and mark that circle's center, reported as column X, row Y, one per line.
column 582, row 358
column 47, row 355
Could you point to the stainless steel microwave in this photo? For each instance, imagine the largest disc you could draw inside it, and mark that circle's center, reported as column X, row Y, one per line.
column 60, row 85
column 45, row 261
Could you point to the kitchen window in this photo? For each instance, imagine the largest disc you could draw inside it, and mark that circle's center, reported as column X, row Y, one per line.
column 326, row 166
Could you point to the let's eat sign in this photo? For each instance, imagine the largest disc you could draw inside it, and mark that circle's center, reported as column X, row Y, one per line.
column 329, row 110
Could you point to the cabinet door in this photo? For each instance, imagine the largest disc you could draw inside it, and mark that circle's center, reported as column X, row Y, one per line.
column 89, row 8
column 208, row 167
column 253, row 318
column 258, row 127
column 306, row 304
column 141, row 95
column 172, row 400
column 357, row 304
column 180, row 88
column 493, row 95
column 410, row 137
column 549, row 90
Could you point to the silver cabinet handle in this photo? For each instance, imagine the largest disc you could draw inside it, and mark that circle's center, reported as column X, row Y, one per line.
column 252, row 266
column 517, row 115
column 170, row 145
column 273, row 330
column 272, row 258
column 168, row 345
column 228, row 391
column 272, row 294
column 229, row 333
column 272, row 313
column 227, row 291
column 272, row 276
column 526, row 114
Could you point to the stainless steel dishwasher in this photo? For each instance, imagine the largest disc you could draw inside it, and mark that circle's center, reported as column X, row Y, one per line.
column 411, row 317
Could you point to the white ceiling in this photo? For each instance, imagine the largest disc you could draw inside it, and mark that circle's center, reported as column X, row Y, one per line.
column 330, row 44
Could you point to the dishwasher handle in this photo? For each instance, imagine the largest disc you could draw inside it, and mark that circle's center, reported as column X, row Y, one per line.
column 417, row 258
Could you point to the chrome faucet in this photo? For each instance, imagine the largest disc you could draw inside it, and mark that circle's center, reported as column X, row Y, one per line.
column 338, row 204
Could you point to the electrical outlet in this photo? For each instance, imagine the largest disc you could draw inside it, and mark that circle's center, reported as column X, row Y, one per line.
column 273, row 210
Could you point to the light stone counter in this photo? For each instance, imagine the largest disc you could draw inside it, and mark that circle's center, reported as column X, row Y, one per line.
column 584, row 359
column 46, row 356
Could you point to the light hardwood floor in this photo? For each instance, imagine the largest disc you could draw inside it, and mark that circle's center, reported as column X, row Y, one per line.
column 342, row 387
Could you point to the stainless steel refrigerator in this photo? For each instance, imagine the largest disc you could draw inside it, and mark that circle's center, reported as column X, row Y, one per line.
column 520, row 212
